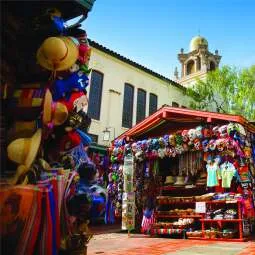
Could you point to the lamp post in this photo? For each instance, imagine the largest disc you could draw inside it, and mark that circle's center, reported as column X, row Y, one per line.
column 107, row 134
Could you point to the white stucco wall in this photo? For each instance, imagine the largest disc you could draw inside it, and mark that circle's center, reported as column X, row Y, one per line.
column 116, row 74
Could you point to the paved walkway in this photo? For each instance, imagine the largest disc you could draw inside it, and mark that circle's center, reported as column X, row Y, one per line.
column 121, row 244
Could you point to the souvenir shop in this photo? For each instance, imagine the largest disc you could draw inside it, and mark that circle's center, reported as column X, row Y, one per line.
column 49, row 192
column 186, row 174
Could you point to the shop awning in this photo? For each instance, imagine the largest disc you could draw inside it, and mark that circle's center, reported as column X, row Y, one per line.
column 170, row 119
column 98, row 148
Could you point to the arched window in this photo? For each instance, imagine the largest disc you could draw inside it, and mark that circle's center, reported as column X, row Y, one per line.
column 212, row 66
column 190, row 67
column 95, row 95
column 127, row 112
column 198, row 63
column 141, row 105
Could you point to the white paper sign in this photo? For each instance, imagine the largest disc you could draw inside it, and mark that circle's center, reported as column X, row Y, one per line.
column 200, row 207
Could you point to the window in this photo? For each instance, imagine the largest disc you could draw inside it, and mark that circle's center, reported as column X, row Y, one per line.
column 127, row 113
column 153, row 103
column 94, row 138
column 198, row 63
column 190, row 67
column 141, row 105
column 212, row 66
column 174, row 104
column 95, row 95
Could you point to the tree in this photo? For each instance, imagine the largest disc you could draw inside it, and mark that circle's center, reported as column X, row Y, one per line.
column 226, row 90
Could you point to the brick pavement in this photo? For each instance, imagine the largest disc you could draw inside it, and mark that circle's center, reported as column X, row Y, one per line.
column 121, row 244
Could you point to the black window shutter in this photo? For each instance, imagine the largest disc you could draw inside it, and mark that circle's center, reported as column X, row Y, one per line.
column 141, row 105
column 153, row 103
column 127, row 113
column 95, row 95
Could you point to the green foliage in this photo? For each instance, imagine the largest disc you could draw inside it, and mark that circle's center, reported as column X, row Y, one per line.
column 226, row 90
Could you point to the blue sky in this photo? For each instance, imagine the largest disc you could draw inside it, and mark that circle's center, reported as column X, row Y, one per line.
column 152, row 32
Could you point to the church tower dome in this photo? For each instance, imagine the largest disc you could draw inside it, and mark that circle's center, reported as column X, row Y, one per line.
column 196, row 42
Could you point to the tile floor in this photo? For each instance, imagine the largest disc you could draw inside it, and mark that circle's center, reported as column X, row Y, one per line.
column 137, row 244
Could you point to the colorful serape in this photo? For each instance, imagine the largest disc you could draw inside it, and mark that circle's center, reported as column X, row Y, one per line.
column 20, row 219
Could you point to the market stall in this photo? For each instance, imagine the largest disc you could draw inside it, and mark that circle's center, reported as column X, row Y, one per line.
column 193, row 175
column 48, row 183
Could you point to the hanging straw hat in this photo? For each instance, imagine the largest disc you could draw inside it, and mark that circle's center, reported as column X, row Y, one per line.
column 55, row 113
column 58, row 53
column 22, row 129
column 169, row 180
column 179, row 181
column 24, row 150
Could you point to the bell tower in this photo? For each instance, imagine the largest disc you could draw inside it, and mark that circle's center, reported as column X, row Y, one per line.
column 197, row 62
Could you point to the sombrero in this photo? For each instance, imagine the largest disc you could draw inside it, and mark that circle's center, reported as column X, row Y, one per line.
column 58, row 53
column 21, row 170
column 179, row 181
column 169, row 180
column 44, row 164
column 22, row 129
column 55, row 113
column 24, row 150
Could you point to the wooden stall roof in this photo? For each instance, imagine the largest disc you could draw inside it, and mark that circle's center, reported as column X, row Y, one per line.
column 170, row 119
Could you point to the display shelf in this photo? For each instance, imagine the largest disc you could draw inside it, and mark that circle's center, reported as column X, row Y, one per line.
column 239, row 220
column 177, row 216
column 177, row 202
column 166, row 231
column 222, row 201
column 220, row 239
column 182, row 188
column 194, row 201
column 221, row 220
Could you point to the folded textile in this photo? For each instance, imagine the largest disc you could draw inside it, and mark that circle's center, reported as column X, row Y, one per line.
column 20, row 218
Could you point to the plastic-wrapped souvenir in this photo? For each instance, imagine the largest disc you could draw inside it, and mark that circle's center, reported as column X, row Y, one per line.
column 215, row 132
column 212, row 145
column 192, row 134
column 172, row 140
column 185, row 136
column 220, row 144
column 199, row 132
column 205, row 145
column 223, row 131
column 197, row 144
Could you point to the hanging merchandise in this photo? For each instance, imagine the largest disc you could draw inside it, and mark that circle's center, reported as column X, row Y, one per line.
column 54, row 114
column 58, row 53
column 190, row 164
column 23, row 151
column 63, row 88
column 212, row 172
column 20, row 213
column 227, row 172
column 128, row 199
column 48, row 141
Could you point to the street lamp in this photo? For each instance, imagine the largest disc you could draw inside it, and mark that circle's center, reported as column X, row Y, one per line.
column 107, row 134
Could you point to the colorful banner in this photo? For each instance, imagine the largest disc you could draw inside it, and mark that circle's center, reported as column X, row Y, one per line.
column 128, row 199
